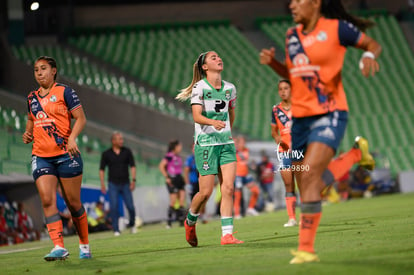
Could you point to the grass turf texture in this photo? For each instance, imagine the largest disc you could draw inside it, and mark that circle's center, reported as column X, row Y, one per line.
column 367, row 236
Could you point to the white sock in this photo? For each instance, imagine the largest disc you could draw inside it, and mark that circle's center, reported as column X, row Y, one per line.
column 84, row 248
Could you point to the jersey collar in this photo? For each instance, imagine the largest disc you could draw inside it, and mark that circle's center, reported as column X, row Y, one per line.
column 208, row 83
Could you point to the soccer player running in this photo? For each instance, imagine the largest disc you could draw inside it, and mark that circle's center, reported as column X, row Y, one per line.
column 280, row 126
column 315, row 51
column 212, row 101
column 55, row 154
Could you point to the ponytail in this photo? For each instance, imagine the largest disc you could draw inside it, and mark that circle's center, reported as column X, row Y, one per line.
column 198, row 74
column 334, row 9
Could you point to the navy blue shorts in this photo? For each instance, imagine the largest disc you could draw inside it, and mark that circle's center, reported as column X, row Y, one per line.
column 285, row 160
column 60, row 166
column 242, row 181
column 327, row 128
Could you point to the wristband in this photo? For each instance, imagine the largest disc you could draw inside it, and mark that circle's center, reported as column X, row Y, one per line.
column 366, row 54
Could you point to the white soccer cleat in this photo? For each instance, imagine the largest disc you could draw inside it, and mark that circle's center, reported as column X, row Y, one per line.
column 252, row 212
column 290, row 223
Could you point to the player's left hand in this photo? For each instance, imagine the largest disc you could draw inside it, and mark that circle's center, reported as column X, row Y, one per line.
column 72, row 147
column 132, row 186
column 369, row 66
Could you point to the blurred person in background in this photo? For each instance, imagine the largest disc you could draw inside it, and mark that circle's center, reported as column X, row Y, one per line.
column 315, row 52
column 68, row 228
column 118, row 159
column 55, row 154
column 191, row 179
column 171, row 167
column 9, row 215
column 24, row 225
column 7, row 235
column 97, row 218
column 213, row 103
column 244, row 179
column 266, row 176
column 280, row 127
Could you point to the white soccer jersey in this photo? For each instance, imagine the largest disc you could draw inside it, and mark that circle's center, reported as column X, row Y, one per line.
column 216, row 105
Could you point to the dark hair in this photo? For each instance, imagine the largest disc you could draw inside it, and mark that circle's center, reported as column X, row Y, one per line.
column 172, row 144
column 334, row 9
column 50, row 60
column 284, row 81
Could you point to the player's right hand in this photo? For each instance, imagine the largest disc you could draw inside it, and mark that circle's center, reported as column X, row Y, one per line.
column 267, row 55
column 27, row 137
column 103, row 190
column 218, row 124
column 284, row 146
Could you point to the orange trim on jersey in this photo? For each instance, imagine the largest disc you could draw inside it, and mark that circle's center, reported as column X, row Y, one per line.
column 284, row 127
column 315, row 73
column 242, row 156
column 52, row 122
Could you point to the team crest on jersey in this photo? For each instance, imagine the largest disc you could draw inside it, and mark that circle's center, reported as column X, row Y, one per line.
column 228, row 95
column 322, row 36
column 53, row 98
column 206, row 166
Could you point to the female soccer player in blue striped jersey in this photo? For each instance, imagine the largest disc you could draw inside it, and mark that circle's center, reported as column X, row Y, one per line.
column 212, row 101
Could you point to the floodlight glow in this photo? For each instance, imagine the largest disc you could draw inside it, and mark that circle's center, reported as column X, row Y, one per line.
column 34, row 6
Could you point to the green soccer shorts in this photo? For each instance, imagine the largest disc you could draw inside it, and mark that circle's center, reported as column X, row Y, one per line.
column 208, row 159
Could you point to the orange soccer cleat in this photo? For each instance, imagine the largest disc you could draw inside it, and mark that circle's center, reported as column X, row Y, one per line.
column 229, row 239
column 190, row 234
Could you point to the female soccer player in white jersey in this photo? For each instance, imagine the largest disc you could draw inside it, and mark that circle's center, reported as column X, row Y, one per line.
column 212, row 101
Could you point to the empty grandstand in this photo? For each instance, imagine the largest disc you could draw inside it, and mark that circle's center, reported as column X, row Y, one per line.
column 127, row 62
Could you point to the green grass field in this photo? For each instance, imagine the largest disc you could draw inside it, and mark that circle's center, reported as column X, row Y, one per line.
column 367, row 236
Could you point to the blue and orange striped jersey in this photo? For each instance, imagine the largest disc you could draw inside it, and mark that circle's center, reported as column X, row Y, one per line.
column 283, row 120
column 52, row 116
column 314, row 61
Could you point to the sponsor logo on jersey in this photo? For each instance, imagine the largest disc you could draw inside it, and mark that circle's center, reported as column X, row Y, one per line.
column 53, row 98
column 34, row 106
column 293, row 49
column 300, row 60
column 41, row 115
column 44, row 101
column 293, row 40
column 206, row 166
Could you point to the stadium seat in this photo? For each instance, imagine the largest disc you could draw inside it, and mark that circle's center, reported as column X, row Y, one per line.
column 164, row 57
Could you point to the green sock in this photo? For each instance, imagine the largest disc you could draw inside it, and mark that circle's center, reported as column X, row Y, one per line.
column 226, row 225
column 192, row 218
